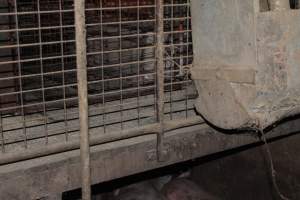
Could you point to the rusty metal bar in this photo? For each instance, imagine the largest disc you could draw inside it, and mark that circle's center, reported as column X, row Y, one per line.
column 97, row 140
column 42, row 76
column 276, row 5
column 81, row 59
column 160, row 67
column 63, row 69
column 20, row 82
column 2, row 135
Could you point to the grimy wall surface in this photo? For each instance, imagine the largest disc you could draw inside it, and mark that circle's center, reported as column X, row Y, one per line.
column 246, row 64
column 246, row 174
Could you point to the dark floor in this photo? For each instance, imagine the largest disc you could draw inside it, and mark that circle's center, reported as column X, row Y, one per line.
column 238, row 174
column 246, row 175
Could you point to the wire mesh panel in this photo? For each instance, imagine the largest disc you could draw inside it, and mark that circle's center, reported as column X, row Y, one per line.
column 38, row 86
column 178, row 56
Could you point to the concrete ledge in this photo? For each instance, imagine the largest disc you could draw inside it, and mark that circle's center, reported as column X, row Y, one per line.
column 48, row 177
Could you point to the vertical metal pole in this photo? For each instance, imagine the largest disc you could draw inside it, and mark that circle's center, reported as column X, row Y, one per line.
column 62, row 51
column 42, row 75
column 160, row 70
column 2, row 134
column 20, row 82
column 80, row 29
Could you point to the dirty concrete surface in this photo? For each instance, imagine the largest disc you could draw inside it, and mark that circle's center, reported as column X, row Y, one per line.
column 246, row 174
column 247, row 58
column 242, row 173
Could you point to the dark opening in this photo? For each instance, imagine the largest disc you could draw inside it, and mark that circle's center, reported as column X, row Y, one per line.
column 294, row 4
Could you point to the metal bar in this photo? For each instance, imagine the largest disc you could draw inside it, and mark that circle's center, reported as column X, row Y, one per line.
column 102, row 69
column 87, row 9
column 95, row 67
column 2, row 134
column 88, row 39
column 20, row 82
column 75, row 98
column 73, row 117
column 81, row 58
column 100, row 94
column 121, row 60
column 187, row 58
column 75, row 130
column 73, row 55
column 70, row 11
column 160, row 75
column 73, row 70
column 97, row 140
column 171, row 62
column 63, row 69
column 138, row 63
column 42, row 76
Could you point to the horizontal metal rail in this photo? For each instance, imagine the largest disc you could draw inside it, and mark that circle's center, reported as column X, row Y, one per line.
column 87, row 9
column 97, row 140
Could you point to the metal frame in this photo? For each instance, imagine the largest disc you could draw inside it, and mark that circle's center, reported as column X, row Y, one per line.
column 161, row 93
column 42, row 44
column 46, row 109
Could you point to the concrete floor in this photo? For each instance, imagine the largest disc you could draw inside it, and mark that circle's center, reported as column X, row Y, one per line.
column 246, row 174
column 242, row 173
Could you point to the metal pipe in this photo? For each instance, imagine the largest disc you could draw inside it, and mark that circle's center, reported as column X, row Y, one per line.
column 1, row 134
column 277, row 5
column 8, row 158
column 160, row 75
column 81, row 59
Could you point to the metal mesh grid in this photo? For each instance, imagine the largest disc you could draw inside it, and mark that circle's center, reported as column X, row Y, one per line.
column 38, row 87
